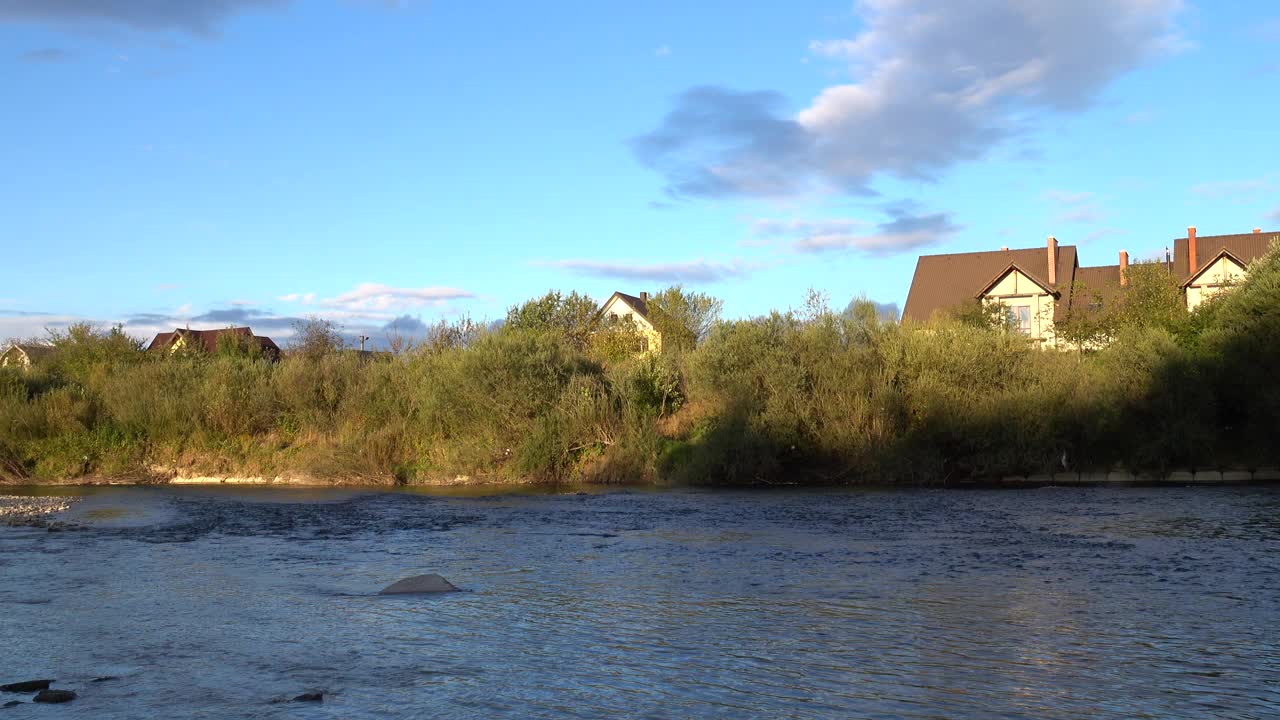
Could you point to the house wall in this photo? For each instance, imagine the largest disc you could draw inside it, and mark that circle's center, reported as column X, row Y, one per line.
column 618, row 306
column 14, row 357
column 1017, row 289
column 1217, row 277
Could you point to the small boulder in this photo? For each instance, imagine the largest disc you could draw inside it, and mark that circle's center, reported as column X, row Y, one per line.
column 105, row 678
column 54, row 696
column 309, row 697
column 12, row 703
column 26, row 686
column 419, row 584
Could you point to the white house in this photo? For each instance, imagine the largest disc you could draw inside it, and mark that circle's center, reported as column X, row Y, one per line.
column 621, row 307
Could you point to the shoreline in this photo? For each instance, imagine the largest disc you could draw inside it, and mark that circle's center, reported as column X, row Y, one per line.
column 1174, row 478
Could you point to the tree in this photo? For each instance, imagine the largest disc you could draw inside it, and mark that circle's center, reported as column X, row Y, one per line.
column 316, row 337
column 571, row 316
column 82, row 346
column 1151, row 297
column 683, row 318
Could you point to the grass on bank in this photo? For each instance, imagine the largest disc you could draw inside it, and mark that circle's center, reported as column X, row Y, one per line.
column 813, row 395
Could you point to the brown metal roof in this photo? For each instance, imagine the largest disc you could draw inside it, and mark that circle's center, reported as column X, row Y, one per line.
column 1094, row 284
column 208, row 339
column 33, row 351
column 640, row 306
column 1246, row 246
column 943, row 282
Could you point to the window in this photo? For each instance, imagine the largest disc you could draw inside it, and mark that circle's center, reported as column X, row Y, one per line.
column 1021, row 317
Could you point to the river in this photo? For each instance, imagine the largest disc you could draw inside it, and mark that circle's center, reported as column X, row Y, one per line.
column 1049, row 603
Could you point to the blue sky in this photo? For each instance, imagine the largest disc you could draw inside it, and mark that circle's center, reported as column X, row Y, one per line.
column 254, row 161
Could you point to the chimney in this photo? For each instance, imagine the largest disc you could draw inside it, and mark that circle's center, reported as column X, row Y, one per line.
column 644, row 297
column 1053, row 260
column 1124, row 268
column 1192, row 263
column 1257, row 231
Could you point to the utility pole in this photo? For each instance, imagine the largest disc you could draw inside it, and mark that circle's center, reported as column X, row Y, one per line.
column 362, row 339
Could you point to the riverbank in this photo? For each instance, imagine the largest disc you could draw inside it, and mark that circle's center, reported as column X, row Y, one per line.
column 1176, row 478
column 814, row 397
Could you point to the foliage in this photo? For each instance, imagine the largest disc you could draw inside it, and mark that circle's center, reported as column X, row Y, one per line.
column 572, row 316
column 812, row 396
column 314, row 338
column 684, row 318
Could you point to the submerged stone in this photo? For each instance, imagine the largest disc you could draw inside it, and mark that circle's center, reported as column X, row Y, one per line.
column 12, row 703
column 26, row 686
column 431, row 583
column 54, row 696
column 309, row 697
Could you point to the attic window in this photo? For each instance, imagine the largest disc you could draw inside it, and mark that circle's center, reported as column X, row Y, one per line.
column 1020, row 315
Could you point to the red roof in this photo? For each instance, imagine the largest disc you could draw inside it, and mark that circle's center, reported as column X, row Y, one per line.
column 208, row 339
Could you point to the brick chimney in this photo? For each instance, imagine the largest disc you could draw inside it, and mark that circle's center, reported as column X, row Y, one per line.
column 1191, row 250
column 1124, row 268
column 1053, row 260
column 644, row 297
column 1257, row 231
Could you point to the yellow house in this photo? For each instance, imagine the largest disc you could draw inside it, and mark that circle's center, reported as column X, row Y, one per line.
column 1037, row 287
column 621, row 307
column 207, row 341
column 22, row 355
column 1032, row 284
column 1213, row 263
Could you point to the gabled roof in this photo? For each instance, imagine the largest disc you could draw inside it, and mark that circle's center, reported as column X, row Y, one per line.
column 1223, row 253
column 1246, row 247
column 33, row 351
column 942, row 282
column 208, row 339
column 640, row 307
column 1011, row 267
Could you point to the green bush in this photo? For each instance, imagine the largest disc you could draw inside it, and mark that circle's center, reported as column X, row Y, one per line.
column 814, row 396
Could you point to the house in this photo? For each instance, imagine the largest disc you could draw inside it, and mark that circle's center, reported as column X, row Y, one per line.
column 207, row 341
column 621, row 307
column 1210, row 264
column 1041, row 286
column 1033, row 283
column 23, row 355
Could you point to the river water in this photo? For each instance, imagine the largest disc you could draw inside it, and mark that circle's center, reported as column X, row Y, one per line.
column 1051, row 603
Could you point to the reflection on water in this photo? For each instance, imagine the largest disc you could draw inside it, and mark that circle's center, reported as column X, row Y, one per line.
column 1039, row 604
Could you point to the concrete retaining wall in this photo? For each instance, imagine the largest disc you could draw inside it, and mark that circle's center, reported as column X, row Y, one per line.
column 1121, row 477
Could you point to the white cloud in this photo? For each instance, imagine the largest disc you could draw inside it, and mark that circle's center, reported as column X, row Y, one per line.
column 937, row 82
column 692, row 271
column 907, row 231
column 1235, row 189
column 765, row 227
column 1075, row 207
column 375, row 296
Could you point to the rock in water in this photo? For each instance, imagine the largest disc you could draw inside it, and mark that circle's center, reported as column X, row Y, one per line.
column 12, row 703
column 309, row 697
column 54, row 696
column 419, row 584
column 27, row 686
